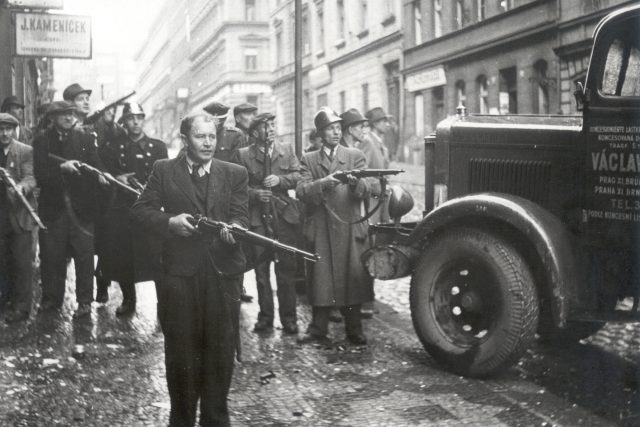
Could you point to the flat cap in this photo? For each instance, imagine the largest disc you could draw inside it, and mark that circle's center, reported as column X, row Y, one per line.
column 58, row 107
column 244, row 108
column 74, row 90
column 351, row 117
column 217, row 110
column 8, row 119
column 9, row 101
column 261, row 118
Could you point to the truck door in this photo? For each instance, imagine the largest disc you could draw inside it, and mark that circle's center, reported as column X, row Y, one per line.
column 611, row 208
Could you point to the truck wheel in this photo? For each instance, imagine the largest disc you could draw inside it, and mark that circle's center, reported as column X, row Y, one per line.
column 473, row 302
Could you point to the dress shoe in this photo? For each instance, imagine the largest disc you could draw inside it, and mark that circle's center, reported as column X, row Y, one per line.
column 83, row 310
column 357, row 339
column 366, row 313
column 290, row 328
column 246, row 298
column 262, row 325
column 17, row 316
column 126, row 308
column 102, row 294
column 313, row 339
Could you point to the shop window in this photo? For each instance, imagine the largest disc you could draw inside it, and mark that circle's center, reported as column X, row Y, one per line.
column 541, row 87
column 508, row 95
column 418, row 108
column 438, row 106
column 483, row 95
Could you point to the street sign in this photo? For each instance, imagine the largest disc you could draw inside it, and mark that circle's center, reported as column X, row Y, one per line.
column 37, row 4
column 53, row 35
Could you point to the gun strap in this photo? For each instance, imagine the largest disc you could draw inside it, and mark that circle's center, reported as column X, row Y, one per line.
column 369, row 213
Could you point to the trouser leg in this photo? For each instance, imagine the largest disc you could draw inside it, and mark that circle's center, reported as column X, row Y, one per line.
column 219, row 343
column 5, row 277
column 83, row 252
column 352, row 320
column 128, row 289
column 320, row 321
column 265, row 293
column 22, row 256
column 286, row 280
column 180, row 317
column 53, row 262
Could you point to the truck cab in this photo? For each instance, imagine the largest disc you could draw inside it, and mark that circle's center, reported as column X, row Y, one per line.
column 531, row 223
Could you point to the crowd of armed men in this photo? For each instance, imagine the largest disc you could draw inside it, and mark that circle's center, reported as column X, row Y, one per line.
column 80, row 185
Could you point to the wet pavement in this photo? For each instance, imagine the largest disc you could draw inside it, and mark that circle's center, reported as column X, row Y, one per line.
column 108, row 371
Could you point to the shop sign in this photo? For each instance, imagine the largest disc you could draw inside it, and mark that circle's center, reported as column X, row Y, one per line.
column 432, row 77
column 53, row 35
column 37, row 4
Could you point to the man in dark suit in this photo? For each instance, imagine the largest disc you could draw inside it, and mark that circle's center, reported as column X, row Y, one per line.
column 198, row 298
column 127, row 254
column 273, row 212
column 68, row 205
column 230, row 138
column 16, row 225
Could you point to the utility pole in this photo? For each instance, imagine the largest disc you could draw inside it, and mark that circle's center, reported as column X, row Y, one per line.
column 298, row 78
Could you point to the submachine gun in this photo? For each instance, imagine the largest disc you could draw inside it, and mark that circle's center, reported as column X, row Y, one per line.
column 93, row 117
column 8, row 180
column 342, row 176
column 206, row 225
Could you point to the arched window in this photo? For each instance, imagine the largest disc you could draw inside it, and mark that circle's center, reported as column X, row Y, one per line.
column 461, row 95
column 483, row 94
column 541, row 87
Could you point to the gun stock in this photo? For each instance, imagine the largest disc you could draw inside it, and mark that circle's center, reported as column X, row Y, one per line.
column 204, row 224
column 6, row 177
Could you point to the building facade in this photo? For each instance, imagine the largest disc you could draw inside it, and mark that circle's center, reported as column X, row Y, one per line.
column 352, row 57
column 202, row 51
column 494, row 57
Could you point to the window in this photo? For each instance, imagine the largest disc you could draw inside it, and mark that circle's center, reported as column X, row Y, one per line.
column 417, row 22
column 438, row 106
column 320, row 26
column 508, row 95
column 363, row 15
column 437, row 18
column 250, row 59
column 622, row 68
column 461, row 96
column 279, row 47
column 418, row 108
column 343, row 101
column 481, row 6
column 250, row 10
column 483, row 95
column 541, row 87
column 252, row 99
column 459, row 14
column 340, row 19
column 365, row 97
column 321, row 101
column 306, row 42
column 506, row 4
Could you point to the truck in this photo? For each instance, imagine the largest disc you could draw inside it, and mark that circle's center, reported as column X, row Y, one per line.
column 531, row 226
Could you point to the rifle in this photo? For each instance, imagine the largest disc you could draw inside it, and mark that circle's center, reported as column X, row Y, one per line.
column 365, row 173
column 93, row 117
column 6, row 177
column 267, row 209
column 202, row 223
column 97, row 173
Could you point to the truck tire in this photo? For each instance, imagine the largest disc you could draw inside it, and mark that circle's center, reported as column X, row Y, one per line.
column 473, row 302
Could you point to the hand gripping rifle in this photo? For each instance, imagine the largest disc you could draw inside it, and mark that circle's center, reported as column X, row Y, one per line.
column 203, row 224
column 97, row 173
column 93, row 117
column 6, row 177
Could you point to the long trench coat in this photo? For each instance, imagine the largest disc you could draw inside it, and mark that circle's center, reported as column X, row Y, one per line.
column 339, row 278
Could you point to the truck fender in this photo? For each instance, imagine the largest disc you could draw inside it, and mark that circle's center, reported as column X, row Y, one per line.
column 549, row 237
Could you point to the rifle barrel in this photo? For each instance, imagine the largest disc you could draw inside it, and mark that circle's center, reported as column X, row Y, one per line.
column 4, row 174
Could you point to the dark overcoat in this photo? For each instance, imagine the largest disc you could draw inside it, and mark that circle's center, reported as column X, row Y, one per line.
column 339, row 278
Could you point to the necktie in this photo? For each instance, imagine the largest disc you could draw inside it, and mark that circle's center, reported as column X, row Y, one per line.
column 3, row 158
column 196, row 171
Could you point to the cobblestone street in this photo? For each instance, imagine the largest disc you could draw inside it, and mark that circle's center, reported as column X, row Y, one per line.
column 108, row 371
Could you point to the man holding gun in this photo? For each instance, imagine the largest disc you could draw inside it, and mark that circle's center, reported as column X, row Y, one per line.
column 16, row 224
column 273, row 170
